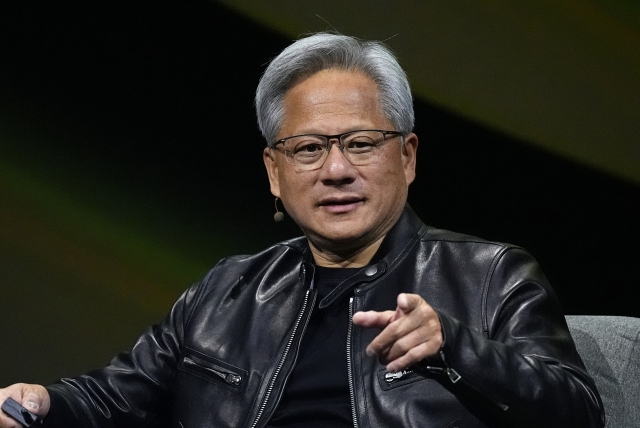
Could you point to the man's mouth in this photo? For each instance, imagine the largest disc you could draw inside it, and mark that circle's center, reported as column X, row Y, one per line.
column 341, row 204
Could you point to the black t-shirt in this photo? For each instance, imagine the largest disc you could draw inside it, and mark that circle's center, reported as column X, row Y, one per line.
column 317, row 391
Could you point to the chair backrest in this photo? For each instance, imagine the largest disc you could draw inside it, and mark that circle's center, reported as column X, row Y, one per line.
column 610, row 349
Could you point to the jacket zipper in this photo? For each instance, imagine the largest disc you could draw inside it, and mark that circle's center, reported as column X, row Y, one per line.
column 392, row 377
column 453, row 375
column 283, row 359
column 354, row 413
column 229, row 377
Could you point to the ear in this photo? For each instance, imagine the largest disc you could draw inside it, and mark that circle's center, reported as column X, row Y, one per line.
column 409, row 157
column 268, row 156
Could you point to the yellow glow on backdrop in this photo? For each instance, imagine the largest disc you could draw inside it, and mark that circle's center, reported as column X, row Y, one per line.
column 564, row 74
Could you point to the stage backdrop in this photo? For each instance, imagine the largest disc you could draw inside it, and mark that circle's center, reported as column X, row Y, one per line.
column 130, row 161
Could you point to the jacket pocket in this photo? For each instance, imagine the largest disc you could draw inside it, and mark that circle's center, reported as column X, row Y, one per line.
column 213, row 370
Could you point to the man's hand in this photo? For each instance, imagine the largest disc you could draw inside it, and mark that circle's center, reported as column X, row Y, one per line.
column 408, row 335
column 34, row 398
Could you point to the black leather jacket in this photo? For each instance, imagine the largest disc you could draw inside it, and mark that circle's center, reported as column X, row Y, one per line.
column 223, row 354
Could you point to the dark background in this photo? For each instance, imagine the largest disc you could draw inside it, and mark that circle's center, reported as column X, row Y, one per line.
column 139, row 116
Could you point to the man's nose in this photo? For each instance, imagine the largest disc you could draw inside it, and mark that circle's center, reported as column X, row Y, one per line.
column 336, row 165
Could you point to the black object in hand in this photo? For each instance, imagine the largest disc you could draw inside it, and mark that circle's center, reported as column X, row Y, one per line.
column 19, row 413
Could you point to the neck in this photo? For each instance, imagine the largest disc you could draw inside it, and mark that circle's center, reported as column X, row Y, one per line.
column 344, row 259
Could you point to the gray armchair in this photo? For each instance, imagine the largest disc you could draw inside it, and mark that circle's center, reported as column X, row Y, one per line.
column 610, row 349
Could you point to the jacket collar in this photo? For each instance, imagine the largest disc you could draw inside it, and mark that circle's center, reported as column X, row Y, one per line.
column 402, row 237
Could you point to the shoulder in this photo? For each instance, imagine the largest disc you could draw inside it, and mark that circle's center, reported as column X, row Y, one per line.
column 283, row 256
column 442, row 235
column 296, row 247
column 495, row 258
column 454, row 240
column 271, row 268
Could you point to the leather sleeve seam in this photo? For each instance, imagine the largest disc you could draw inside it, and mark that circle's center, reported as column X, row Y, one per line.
column 487, row 284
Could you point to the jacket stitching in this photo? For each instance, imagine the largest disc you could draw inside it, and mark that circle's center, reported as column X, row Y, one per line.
column 487, row 284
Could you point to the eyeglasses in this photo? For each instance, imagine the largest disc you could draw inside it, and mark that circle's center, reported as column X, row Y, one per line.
column 309, row 151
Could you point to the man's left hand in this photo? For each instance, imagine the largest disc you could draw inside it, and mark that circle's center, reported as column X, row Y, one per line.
column 409, row 334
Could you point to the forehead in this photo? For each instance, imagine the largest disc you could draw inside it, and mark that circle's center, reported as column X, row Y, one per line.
column 332, row 98
column 333, row 77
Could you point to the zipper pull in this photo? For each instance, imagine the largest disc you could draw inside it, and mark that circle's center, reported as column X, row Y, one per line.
column 392, row 377
column 453, row 375
column 233, row 379
column 228, row 377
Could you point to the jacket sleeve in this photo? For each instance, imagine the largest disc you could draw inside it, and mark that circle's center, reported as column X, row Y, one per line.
column 135, row 389
column 524, row 361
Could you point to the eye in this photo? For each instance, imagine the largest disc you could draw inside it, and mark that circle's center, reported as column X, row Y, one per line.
column 306, row 148
column 360, row 144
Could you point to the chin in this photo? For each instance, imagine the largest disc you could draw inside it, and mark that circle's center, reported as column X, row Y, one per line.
column 339, row 237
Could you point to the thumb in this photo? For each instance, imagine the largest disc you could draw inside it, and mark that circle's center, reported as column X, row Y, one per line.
column 406, row 303
column 35, row 399
column 32, row 402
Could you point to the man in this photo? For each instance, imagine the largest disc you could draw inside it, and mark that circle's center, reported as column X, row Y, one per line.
column 372, row 319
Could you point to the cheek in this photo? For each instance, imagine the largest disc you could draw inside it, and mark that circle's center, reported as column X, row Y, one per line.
column 388, row 185
column 295, row 188
column 388, row 173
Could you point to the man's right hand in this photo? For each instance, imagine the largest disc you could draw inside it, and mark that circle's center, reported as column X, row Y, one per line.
column 34, row 398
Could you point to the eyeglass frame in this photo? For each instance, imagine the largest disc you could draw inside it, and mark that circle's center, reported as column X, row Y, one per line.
column 337, row 137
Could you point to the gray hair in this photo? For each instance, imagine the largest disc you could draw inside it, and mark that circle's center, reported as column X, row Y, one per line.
column 322, row 51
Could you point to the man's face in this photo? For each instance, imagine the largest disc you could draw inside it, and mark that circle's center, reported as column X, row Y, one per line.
column 341, row 207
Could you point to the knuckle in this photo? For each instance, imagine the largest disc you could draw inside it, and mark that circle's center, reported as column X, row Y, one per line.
column 393, row 327
column 425, row 310
column 402, row 347
column 414, row 354
column 395, row 331
column 375, row 346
